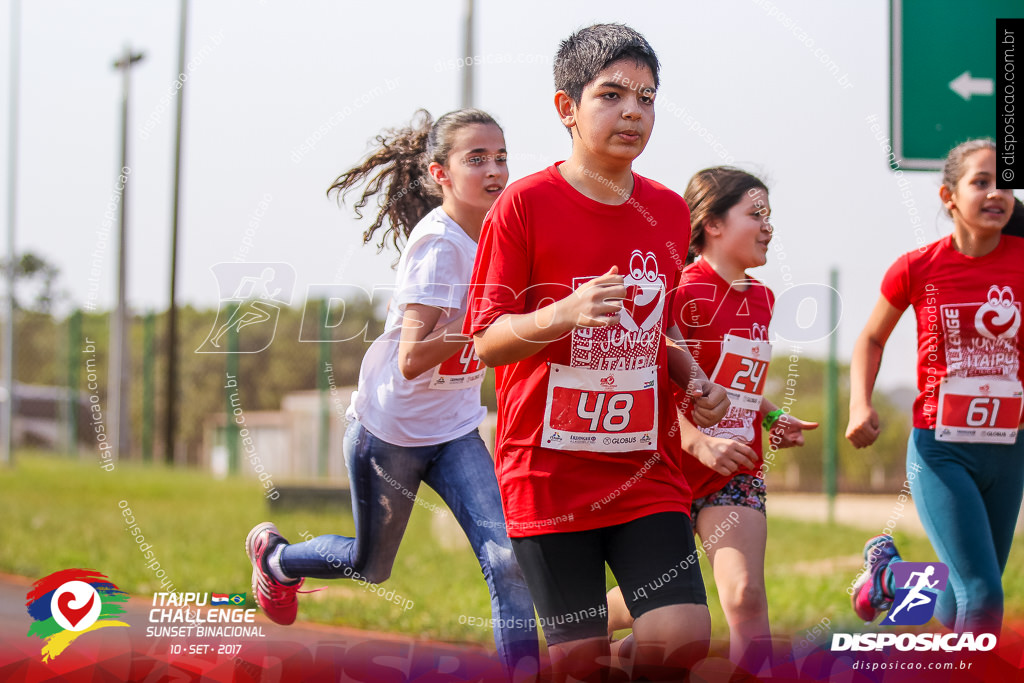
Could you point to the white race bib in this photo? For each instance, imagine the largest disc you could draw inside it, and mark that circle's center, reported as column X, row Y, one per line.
column 601, row 410
column 742, row 370
column 979, row 410
column 462, row 370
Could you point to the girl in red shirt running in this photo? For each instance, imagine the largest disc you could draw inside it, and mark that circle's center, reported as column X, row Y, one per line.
column 725, row 317
column 965, row 460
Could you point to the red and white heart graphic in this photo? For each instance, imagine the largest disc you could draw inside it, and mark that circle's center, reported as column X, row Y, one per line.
column 75, row 606
column 999, row 317
column 645, row 288
column 642, row 307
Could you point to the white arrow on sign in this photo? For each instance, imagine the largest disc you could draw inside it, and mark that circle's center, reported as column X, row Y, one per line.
column 965, row 86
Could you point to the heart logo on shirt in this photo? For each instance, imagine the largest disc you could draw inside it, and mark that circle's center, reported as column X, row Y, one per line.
column 641, row 309
column 999, row 317
column 644, row 302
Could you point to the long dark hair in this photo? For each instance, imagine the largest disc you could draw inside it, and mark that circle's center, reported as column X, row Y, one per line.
column 397, row 167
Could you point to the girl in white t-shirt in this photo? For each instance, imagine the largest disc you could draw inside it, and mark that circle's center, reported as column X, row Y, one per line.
column 415, row 414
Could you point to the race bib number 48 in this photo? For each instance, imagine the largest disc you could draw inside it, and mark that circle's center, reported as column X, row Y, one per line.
column 601, row 410
column 742, row 370
column 464, row 369
column 979, row 410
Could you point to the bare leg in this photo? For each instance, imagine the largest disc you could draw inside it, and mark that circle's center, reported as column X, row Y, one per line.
column 670, row 639
column 586, row 659
column 737, row 559
column 618, row 614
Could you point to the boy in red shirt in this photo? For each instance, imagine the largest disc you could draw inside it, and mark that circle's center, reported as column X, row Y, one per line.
column 572, row 303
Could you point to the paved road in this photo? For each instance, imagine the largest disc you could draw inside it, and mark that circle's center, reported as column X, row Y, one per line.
column 868, row 512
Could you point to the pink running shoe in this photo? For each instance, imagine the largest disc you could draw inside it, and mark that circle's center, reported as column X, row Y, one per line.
column 870, row 593
column 276, row 599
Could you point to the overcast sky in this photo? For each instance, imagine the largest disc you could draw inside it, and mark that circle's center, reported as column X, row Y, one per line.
column 282, row 96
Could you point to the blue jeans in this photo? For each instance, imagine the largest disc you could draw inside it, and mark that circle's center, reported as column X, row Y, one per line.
column 384, row 479
column 968, row 497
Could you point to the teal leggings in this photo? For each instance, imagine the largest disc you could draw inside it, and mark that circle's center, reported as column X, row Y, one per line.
column 968, row 497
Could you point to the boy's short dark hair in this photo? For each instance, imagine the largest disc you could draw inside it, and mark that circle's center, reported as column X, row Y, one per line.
column 585, row 53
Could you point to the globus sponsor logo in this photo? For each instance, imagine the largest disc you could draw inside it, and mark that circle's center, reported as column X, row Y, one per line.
column 917, row 642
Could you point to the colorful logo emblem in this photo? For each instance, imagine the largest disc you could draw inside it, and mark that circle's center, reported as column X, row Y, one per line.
column 71, row 602
column 918, row 587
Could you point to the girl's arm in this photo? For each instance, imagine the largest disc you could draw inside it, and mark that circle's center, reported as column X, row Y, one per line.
column 867, row 356
column 788, row 431
column 515, row 336
column 724, row 456
column 421, row 346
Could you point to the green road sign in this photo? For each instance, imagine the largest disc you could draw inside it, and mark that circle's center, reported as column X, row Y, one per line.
column 943, row 62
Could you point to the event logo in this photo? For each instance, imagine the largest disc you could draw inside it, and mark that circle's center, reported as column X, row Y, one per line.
column 251, row 296
column 69, row 603
column 918, row 587
column 645, row 293
column 998, row 318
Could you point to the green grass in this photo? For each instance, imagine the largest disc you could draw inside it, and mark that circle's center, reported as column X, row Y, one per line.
column 60, row 513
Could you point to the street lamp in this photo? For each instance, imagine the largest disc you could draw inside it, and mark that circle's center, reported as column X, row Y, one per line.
column 119, row 353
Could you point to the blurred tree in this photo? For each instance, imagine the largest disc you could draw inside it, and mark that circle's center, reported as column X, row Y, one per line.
column 800, row 386
column 39, row 276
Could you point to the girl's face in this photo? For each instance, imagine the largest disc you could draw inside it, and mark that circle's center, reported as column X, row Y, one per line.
column 743, row 233
column 476, row 171
column 976, row 204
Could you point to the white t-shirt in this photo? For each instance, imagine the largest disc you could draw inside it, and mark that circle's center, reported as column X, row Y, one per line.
column 435, row 269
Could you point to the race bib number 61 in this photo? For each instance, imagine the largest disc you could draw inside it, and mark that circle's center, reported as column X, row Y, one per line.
column 601, row 410
column 979, row 410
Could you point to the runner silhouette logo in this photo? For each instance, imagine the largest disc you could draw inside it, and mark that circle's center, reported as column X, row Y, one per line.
column 251, row 296
column 918, row 587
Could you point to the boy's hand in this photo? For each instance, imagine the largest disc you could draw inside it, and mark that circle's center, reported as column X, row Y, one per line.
column 788, row 431
column 596, row 303
column 724, row 456
column 710, row 404
column 863, row 428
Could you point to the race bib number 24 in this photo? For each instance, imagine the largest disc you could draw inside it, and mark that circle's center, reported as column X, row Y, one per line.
column 742, row 370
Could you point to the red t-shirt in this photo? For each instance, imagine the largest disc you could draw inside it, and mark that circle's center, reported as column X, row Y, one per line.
column 710, row 309
column 600, row 454
column 968, row 314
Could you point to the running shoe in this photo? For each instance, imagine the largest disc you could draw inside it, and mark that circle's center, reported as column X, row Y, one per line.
column 276, row 599
column 869, row 591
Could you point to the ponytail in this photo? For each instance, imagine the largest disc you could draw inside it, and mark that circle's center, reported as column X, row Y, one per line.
column 398, row 169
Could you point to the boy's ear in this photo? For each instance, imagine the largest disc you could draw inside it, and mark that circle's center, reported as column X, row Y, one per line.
column 439, row 173
column 566, row 108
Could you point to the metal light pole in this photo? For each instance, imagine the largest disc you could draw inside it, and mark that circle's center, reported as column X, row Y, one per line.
column 467, row 70
column 119, row 425
column 171, row 400
column 7, row 413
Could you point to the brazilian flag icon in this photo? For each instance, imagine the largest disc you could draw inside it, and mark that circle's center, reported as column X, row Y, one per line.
column 237, row 599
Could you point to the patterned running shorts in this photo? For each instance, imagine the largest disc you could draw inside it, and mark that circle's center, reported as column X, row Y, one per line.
column 741, row 491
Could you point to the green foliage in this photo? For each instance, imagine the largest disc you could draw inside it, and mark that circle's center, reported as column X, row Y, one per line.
column 35, row 273
column 800, row 386
column 48, row 354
